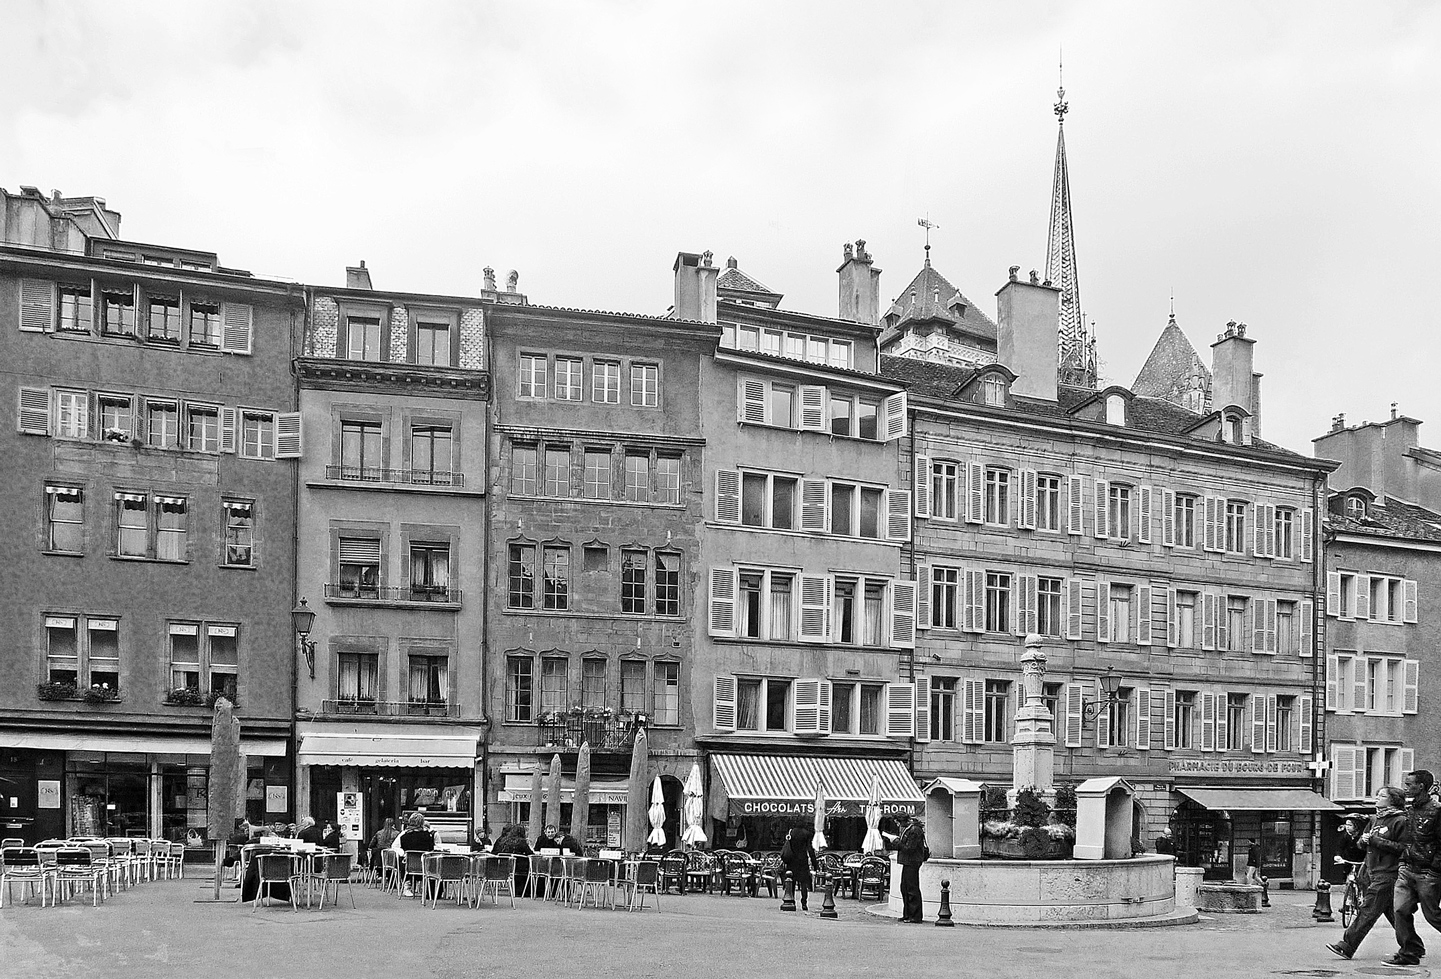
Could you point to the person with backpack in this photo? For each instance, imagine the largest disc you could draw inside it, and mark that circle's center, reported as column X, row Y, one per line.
column 911, row 852
column 799, row 857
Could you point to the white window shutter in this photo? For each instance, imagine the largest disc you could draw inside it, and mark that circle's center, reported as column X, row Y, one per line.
column 1406, row 759
column 37, row 300
column 823, row 708
column 815, row 608
column 723, row 601
column 1358, row 683
column 975, row 492
column 1172, row 627
column 229, row 424
column 1408, row 599
column 1333, row 593
column 1168, row 518
column 976, row 595
column 1208, row 620
column 752, row 400
column 1343, row 771
column 1257, row 706
column 1224, row 639
column 903, row 615
column 1221, row 722
column 1075, row 701
column 1412, row 686
column 1103, row 720
column 921, row 481
column 900, row 710
column 923, row 708
column 923, row 596
column 898, row 515
column 1027, row 623
column 895, row 412
column 806, row 706
column 1075, row 507
column 1210, row 535
column 1143, row 616
column 1143, row 532
column 727, row 496
column 1363, row 596
column 813, row 408
column 1258, row 522
column 288, row 442
column 1026, row 513
column 971, row 695
column 1303, row 722
column 1270, row 530
column 1168, row 723
column 1307, row 532
column 1103, row 611
column 1208, row 721
column 1271, row 616
column 1256, row 609
column 814, row 500
column 33, row 417
column 1271, row 723
column 1074, row 608
column 1103, row 528
column 235, row 327
column 1333, row 682
column 724, row 710
column 1143, row 719
column 1305, row 614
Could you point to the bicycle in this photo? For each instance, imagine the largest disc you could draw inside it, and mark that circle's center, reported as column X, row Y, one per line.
column 1351, row 897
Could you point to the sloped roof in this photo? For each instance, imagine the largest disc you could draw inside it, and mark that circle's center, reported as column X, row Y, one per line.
column 741, row 286
column 1171, row 365
column 931, row 297
column 1391, row 518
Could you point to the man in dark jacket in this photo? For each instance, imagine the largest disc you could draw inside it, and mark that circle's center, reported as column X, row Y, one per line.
column 1418, row 882
column 911, row 852
column 547, row 839
column 1380, row 846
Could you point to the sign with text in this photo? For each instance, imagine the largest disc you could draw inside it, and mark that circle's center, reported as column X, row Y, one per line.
column 47, row 794
column 1238, row 766
column 349, row 815
column 807, row 807
column 277, row 798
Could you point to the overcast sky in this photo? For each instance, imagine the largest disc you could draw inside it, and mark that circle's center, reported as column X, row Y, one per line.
column 1272, row 163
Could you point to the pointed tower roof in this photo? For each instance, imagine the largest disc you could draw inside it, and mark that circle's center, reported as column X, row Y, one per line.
column 1174, row 371
column 931, row 298
column 735, row 284
column 1077, row 354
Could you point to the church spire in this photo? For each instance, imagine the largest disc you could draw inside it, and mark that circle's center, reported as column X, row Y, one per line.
column 1077, row 353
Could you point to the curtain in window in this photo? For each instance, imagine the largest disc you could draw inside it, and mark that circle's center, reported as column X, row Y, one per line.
column 780, row 608
column 427, row 680
column 748, row 697
column 875, row 604
column 170, row 529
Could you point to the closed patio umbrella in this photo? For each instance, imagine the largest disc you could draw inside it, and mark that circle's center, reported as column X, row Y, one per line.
column 874, row 842
column 552, row 795
column 657, row 814
column 533, row 824
column 580, row 805
column 694, row 809
column 635, row 821
column 819, row 840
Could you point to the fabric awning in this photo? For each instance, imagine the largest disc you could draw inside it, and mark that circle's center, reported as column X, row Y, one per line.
column 603, row 792
column 1257, row 800
column 387, row 751
column 785, row 785
column 156, row 744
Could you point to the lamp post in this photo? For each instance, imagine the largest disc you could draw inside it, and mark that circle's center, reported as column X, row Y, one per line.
column 302, row 617
column 1110, row 684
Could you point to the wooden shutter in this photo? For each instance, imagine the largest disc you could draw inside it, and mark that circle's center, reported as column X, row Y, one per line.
column 1343, row 771
column 728, row 496
column 1408, row 600
column 1303, row 724
column 923, row 708
column 900, row 710
column 1075, row 508
column 895, row 413
column 1026, row 512
column 1271, row 615
column 903, row 615
column 1221, row 722
column 1412, row 687
column 923, row 596
column 1143, row 615
column 1074, row 608
column 33, row 417
column 235, row 328
column 228, row 428
column 814, row 499
column 815, row 608
column 1215, row 534
column 1271, row 723
column 1103, row 611
column 823, row 707
column 1143, row 719
column 1307, row 531
column 1257, row 608
column 724, row 704
column 1258, row 523
column 813, row 408
column 752, row 400
column 1103, row 719
column 1208, row 721
column 921, row 482
column 974, row 598
column 1407, row 762
column 898, row 515
column 1306, row 613
column 1208, row 620
column 1333, row 593
column 1143, row 527
column 1333, row 682
column 37, row 300
column 1257, row 707
column 1028, row 618
column 1168, row 723
column 805, row 717
column 1075, row 699
column 975, row 492
column 1168, row 518
column 723, row 601
column 1172, row 619
column 1363, row 596
column 288, row 442
column 972, row 711
column 1103, row 493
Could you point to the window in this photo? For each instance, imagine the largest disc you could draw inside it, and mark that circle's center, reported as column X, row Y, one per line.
column 359, row 567
column 1355, row 507
column 632, row 581
column 840, row 414
column 667, row 583
column 132, row 525
column 858, row 606
column 432, row 344
column 943, row 708
column 842, row 504
column 163, row 319
column 555, row 594
column 1235, row 527
column 519, row 688
column 1186, row 636
column 1348, row 595
column 762, row 704
column 1236, row 638
column 637, row 477
column 1051, row 697
column 116, row 418
column 553, row 696
column 557, row 470
column 1235, row 721
column 867, row 419
column 257, row 435
column 667, row 475
column 65, row 519
column 1048, row 607
column 667, row 694
column 870, row 513
column 430, row 573
column 632, row 686
column 993, row 390
column 522, row 576
column 998, row 496
column 202, row 428
column 644, row 385
column 358, row 674
column 239, row 519
column 605, row 382
column 1288, row 639
column 522, row 470
column 430, row 454
column 592, row 682
column 870, row 708
column 1048, row 502
column 596, row 558
column 428, row 679
column 76, row 309
column 1183, row 717
column 362, row 338
column 95, row 662
column 118, row 313
column 1118, row 512
column 840, row 354
column 1285, row 711
column 1121, row 596
column 998, row 696
column 842, row 711
column 205, row 325
column 209, row 652
column 150, row 527
column 567, row 378
column 945, row 588
column 533, row 373
column 998, row 601
column 1118, row 718
column 766, row 606
column 783, row 405
column 943, row 490
column 1285, row 531
column 71, row 414
column 362, row 449
column 748, row 704
column 162, row 424
column 1185, row 520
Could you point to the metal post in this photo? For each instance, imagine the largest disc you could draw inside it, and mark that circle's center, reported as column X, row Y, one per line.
column 1322, row 910
column 828, row 906
column 943, row 918
column 788, row 894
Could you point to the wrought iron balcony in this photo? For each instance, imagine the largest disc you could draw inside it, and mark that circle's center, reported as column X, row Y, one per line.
column 412, row 477
column 388, row 708
column 564, row 730
column 433, row 594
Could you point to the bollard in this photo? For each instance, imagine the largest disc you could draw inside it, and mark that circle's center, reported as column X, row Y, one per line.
column 788, row 893
column 1322, row 910
column 943, row 918
column 1265, row 892
column 828, row 906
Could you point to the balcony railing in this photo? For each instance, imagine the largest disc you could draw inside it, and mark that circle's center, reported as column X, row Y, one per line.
column 388, row 708
column 413, row 477
column 438, row 594
column 565, row 730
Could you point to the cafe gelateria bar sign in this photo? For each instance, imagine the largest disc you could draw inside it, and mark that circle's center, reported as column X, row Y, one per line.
column 1237, row 766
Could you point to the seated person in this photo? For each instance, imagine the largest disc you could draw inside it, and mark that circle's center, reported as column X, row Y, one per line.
column 331, row 837
column 481, row 841
column 569, row 844
column 416, row 836
column 547, row 840
column 308, row 832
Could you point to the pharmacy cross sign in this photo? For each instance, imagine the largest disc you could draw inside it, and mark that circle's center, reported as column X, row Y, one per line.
column 1318, row 766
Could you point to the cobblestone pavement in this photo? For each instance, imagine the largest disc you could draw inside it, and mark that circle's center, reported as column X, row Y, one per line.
column 164, row 929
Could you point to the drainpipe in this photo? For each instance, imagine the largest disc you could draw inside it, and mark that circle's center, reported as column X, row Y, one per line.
column 1318, row 659
column 911, row 653
column 295, row 551
column 485, row 719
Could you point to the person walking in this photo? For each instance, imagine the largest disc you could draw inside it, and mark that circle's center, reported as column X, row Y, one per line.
column 1418, row 882
column 799, row 857
column 911, row 852
column 1381, row 844
column 1253, row 862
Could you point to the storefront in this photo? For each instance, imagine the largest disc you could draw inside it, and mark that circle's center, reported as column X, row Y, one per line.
column 755, row 799
column 605, row 823
column 1215, row 826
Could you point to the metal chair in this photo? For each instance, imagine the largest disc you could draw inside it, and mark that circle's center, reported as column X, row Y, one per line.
column 334, row 870
column 103, row 856
column 144, row 857
column 175, row 860
column 389, row 870
column 122, row 850
column 595, row 882
column 496, row 872
column 21, row 864
column 440, row 869
column 11, row 843
column 874, row 874
column 672, row 872
column 644, row 876
column 412, row 871
column 739, row 873
column 75, row 866
column 272, row 869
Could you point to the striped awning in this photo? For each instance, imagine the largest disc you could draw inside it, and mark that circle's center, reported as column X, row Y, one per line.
column 785, row 785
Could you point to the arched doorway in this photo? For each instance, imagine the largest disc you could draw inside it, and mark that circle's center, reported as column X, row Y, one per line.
column 673, row 791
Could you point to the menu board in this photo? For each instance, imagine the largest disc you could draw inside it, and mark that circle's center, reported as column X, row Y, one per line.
column 350, row 815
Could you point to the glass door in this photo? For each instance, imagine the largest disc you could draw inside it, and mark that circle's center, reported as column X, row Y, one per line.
column 1276, row 848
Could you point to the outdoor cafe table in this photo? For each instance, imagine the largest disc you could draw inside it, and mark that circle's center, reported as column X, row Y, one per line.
column 302, row 862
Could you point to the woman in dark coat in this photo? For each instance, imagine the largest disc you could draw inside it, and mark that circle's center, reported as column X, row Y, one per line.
column 799, row 857
column 512, row 840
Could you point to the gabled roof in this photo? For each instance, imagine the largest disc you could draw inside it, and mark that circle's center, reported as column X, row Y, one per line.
column 1390, row 518
column 735, row 284
column 930, row 297
column 1169, row 369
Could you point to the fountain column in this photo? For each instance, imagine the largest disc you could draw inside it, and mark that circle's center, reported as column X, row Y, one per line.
column 1034, row 743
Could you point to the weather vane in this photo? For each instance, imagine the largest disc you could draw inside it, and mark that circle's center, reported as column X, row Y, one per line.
column 929, row 225
column 1062, row 106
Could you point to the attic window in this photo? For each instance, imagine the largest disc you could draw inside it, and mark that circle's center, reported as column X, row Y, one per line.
column 993, row 390
column 1356, row 507
column 1115, row 410
column 1233, row 427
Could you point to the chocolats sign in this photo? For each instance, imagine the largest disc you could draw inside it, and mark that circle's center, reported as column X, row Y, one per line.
column 1236, row 766
column 807, row 807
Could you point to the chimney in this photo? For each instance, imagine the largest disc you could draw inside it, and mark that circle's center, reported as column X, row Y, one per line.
column 1256, row 405
column 1232, row 380
column 489, row 274
column 357, row 276
column 1029, row 319
column 860, row 286
column 695, row 283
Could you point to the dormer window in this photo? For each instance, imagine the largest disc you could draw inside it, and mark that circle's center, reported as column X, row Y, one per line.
column 1115, row 410
column 993, row 390
column 1356, row 507
column 1233, row 429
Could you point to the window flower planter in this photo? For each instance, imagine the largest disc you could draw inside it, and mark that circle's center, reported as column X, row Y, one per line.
column 55, row 691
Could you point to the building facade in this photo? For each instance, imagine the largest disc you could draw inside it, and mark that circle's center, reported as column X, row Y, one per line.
column 149, row 487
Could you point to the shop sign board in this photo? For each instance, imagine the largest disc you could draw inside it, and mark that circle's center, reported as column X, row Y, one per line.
column 1246, row 767
column 807, row 807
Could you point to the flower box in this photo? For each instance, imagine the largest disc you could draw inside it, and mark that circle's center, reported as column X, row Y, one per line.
column 1012, row 850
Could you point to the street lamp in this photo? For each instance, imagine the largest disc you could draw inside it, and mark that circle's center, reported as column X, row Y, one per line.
column 1110, row 683
column 302, row 617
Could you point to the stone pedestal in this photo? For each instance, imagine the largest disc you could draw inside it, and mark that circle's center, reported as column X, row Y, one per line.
column 1034, row 742
column 1188, row 879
